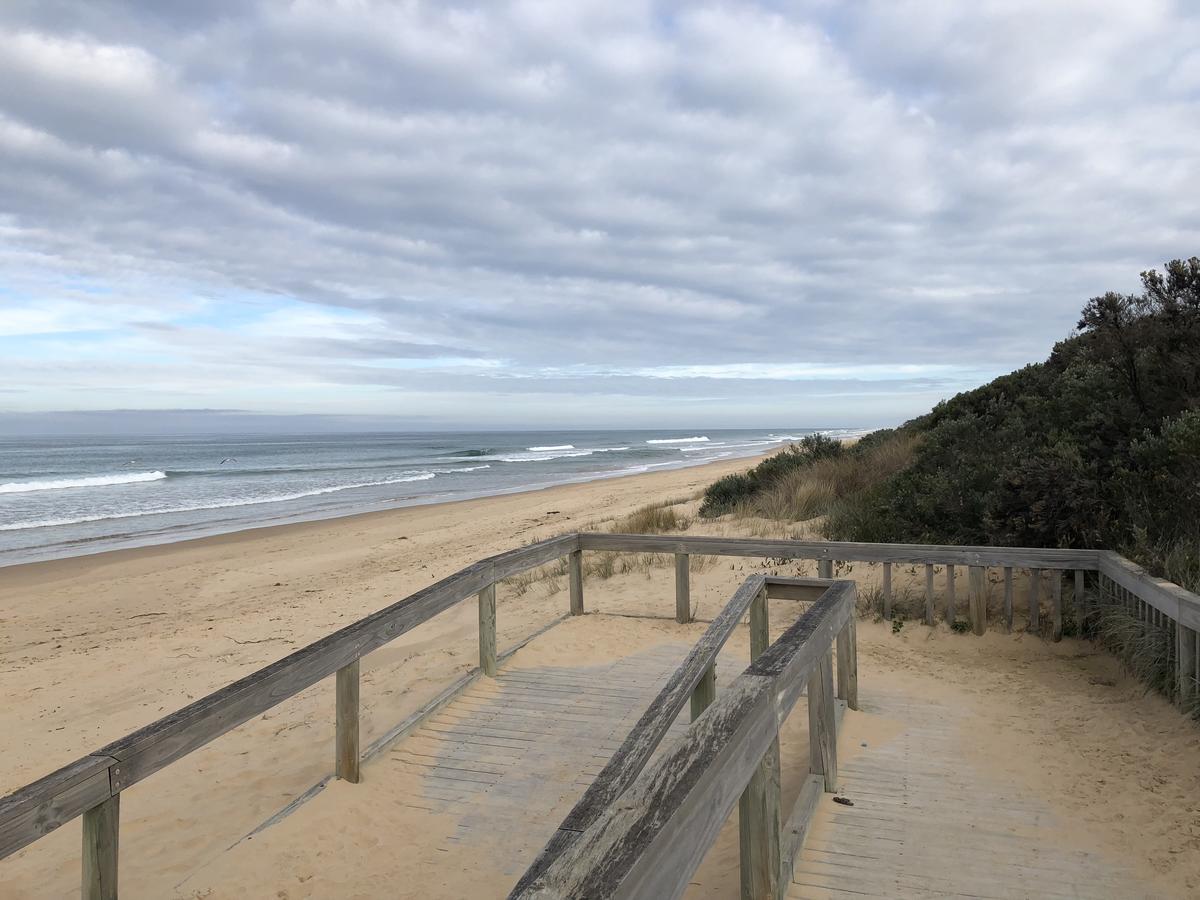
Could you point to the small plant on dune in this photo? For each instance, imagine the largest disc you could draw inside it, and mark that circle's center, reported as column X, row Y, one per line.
column 960, row 626
column 655, row 518
column 897, row 624
column 1146, row 650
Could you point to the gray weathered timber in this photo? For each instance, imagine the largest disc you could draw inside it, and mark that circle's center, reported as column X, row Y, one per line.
column 850, row 551
column 1008, row 599
column 149, row 749
column 638, row 747
column 347, row 756
column 847, row 663
column 683, row 597
column 37, row 809
column 796, row 827
column 759, row 824
column 760, row 624
column 1035, row 582
column 705, row 692
column 1186, row 666
column 825, row 568
column 575, row 567
column 650, row 843
column 887, row 590
column 487, row 631
column 1056, row 607
column 101, row 834
column 822, row 729
column 1181, row 605
column 1081, row 610
column 928, row 593
column 977, row 598
column 951, row 596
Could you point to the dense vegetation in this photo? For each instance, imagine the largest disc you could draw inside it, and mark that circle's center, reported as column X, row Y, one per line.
column 1099, row 446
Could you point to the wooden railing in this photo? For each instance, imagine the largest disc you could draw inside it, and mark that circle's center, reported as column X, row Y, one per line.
column 91, row 786
column 651, row 843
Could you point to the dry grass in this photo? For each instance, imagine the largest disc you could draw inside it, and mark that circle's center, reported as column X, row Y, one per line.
column 816, row 489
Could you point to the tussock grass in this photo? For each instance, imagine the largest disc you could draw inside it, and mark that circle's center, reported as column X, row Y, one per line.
column 1146, row 650
column 829, row 485
column 654, row 518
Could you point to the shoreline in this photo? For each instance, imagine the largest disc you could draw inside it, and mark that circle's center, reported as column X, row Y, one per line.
column 332, row 521
column 198, row 532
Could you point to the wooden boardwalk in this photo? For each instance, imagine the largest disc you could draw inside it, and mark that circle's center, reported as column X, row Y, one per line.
column 928, row 821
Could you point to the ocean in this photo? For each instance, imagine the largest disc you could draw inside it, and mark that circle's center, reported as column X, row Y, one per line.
column 75, row 495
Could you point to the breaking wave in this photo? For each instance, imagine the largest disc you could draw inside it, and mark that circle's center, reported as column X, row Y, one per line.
column 62, row 484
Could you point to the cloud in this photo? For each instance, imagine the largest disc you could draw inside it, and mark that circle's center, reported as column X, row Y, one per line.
column 459, row 208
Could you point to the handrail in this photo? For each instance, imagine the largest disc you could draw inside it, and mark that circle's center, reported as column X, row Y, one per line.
column 91, row 785
column 651, row 843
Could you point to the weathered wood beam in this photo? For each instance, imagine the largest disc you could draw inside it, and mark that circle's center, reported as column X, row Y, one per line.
column 101, row 839
column 929, row 593
column 346, row 762
column 977, row 598
column 1035, row 610
column 487, row 631
column 951, row 596
column 575, row 568
column 705, row 692
column 683, row 598
column 887, row 590
column 822, row 728
column 1008, row 599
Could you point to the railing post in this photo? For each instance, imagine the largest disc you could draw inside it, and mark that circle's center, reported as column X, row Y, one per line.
column 1186, row 661
column 1081, row 611
column 101, row 832
column 760, row 625
column 977, row 598
column 887, row 590
column 487, row 631
column 683, row 598
column 575, row 567
column 759, row 806
column 822, row 725
column 1035, row 612
column 1056, row 607
column 825, row 568
column 847, row 664
column 759, row 830
column 1008, row 599
column 705, row 692
column 928, row 593
column 346, row 764
column 951, row 598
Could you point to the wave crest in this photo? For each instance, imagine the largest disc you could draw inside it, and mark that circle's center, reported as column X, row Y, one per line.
column 686, row 440
column 62, row 484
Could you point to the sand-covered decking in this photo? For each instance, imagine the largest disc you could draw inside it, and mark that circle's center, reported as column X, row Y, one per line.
column 144, row 632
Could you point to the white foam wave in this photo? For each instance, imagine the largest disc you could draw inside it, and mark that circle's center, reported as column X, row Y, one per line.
column 467, row 469
column 24, row 487
column 543, row 456
column 240, row 501
column 555, row 447
column 686, row 440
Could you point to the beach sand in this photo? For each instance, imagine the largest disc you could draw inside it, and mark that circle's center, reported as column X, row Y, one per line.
column 94, row 647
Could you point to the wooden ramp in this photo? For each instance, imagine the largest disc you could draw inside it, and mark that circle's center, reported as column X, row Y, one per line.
column 928, row 821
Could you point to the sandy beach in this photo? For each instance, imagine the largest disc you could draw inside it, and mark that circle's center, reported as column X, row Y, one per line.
column 95, row 647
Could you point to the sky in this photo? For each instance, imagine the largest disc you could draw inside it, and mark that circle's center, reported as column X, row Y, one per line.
column 569, row 215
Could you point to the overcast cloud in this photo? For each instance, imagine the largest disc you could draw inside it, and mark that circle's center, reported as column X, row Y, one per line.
column 576, row 213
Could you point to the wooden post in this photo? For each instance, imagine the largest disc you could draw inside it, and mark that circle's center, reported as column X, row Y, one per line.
column 1056, row 620
column 1081, row 612
column 758, row 807
column 825, row 568
column 101, row 832
column 487, row 631
column 760, row 625
column 977, row 598
column 1008, row 599
column 346, row 763
column 951, row 599
column 822, row 726
column 847, row 665
column 1035, row 580
column 759, row 828
column 928, row 593
column 705, row 691
column 575, row 566
column 1186, row 669
column 887, row 590
column 683, row 599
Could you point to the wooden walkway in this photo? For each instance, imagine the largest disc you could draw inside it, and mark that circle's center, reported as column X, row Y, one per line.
column 927, row 821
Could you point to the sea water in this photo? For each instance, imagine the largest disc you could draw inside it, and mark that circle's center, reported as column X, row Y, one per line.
column 66, row 496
